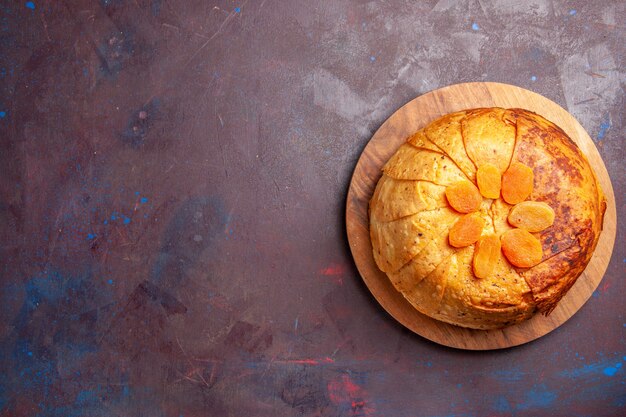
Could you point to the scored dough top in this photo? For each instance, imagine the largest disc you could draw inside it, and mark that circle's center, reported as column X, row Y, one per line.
column 410, row 217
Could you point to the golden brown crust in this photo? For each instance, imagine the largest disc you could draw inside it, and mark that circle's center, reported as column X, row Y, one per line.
column 499, row 300
column 397, row 242
column 565, row 181
column 488, row 138
column 411, row 163
column 410, row 218
column 445, row 134
column 394, row 199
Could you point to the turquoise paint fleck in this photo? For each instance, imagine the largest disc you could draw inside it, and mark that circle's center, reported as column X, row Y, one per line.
column 502, row 405
column 604, row 127
column 612, row 370
column 538, row 397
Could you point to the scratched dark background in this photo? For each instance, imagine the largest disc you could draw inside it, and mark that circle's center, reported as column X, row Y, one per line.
column 173, row 181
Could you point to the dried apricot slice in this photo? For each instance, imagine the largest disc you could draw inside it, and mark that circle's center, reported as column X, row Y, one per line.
column 463, row 196
column 533, row 216
column 466, row 231
column 486, row 255
column 517, row 183
column 489, row 180
column 521, row 248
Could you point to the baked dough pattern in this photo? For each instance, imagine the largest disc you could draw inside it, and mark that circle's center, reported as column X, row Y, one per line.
column 410, row 217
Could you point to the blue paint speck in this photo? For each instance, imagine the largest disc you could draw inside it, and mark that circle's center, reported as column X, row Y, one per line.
column 136, row 192
column 86, row 397
column 611, row 370
column 538, row 397
column 110, row 282
column 533, row 78
column 604, row 127
column 475, row 26
column 237, row 9
column 143, row 200
column 30, row 353
column 106, row 222
column 156, row 7
column 372, row 58
column 113, row 217
column 502, row 405
column 3, row 114
column 91, row 236
column 126, row 220
column 572, row 12
column 30, row 5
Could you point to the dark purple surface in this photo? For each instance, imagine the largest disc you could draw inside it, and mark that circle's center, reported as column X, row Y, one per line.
column 172, row 206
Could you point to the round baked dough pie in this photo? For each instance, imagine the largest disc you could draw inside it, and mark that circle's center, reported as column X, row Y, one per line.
column 411, row 217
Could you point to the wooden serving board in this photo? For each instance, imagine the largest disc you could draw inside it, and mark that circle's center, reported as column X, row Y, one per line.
column 412, row 117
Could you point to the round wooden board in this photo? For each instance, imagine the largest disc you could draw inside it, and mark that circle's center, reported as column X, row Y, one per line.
column 406, row 121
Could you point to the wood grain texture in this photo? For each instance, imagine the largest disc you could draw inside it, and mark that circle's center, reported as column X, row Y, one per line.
column 412, row 117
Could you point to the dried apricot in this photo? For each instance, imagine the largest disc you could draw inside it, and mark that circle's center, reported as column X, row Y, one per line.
column 489, row 179
column 521, row 248
column 517, row 183
column 466, row 231
column 533, row 216
column 463, row 196
column 486, row 255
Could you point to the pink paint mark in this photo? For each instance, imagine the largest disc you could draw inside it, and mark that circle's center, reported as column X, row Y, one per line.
column 605, row 287
column 335, row 271
column 347, row 395
column 308, row 361
column 219, row 301
column 303, row 361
